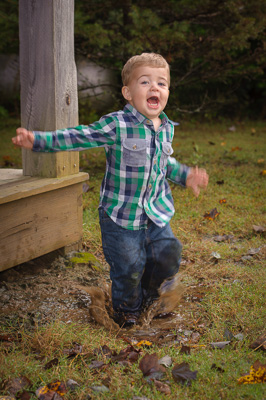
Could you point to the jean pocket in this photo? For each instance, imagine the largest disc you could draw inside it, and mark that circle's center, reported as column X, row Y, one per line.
column 135, row 152
column 167, row 150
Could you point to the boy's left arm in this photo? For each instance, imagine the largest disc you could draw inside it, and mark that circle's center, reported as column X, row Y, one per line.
column 194, row 178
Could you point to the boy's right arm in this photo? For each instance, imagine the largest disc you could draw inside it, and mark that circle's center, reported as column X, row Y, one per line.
column 24, row 138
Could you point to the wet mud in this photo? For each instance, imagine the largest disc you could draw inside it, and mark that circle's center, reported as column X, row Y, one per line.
column 44, row 290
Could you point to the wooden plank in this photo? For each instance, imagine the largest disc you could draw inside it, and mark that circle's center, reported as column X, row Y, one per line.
column 48, row 77
column 22, row 187
column 39, row 224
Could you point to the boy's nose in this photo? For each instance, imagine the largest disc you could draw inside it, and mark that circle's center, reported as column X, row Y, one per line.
column 154, row 86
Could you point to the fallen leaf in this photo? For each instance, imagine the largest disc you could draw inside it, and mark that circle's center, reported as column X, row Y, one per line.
column 246, row 258
column 96, row 364
column 211, row 143
column 166, row 361
column 253, row 251
column 24, row 396
column 51, row 363
column 76, row 349
column 126, row 353
column 44, row 393
column 228, row 334
column 53, row 391
column 182, row 374
column 261, row 161
column 185, row 349
column 7, row 398
column 223, row 238
column 150, row 366
column 144, row 343
column 220, row 345
column 257, row 374
column 236, row 148
column 232, row 128
column 263, row 172
column 99, row 389
column 17, row 384
column 239, row 336
column 212, row 214
column 220, row 182
column 133, row 356
column 259, row 343
column 259, row 228
column 58, row 387
column 72, row 385
column 222, row 201
column 6, row 338
column 216, row 255
column 104, row 350
column 162, row 387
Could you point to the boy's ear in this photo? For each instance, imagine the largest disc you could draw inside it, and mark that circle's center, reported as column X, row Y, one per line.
column 126, row 93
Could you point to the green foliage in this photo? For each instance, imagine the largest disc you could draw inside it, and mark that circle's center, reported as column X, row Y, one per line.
column 215, row 48
column 9, row 37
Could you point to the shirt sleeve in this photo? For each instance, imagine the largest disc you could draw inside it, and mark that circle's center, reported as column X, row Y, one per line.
column 99, row 134
column 177, row 172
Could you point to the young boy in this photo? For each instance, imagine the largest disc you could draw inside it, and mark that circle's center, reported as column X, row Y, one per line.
column 136, row 204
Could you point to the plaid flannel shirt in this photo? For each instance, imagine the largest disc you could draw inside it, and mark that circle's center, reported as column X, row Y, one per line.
column 138, row 164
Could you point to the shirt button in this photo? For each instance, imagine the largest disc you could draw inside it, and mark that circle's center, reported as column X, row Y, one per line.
column 148, row 121
column 134, row 147
column 150, row 186
column 154, row 161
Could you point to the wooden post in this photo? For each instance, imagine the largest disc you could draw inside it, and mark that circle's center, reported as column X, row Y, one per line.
column 48, row 77
column 42, row 212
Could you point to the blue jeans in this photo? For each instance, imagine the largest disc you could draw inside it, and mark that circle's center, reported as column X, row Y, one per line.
column 139, row 261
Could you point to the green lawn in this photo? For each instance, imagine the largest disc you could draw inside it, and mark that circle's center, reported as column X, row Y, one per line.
column 230, row 274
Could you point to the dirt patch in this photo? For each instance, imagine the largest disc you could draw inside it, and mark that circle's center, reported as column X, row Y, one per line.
column 48, row 289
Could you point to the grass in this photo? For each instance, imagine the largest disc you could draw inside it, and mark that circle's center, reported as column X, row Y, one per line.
column 233, row 287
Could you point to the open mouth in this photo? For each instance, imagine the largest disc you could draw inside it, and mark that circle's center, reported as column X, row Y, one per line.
column 153, row 101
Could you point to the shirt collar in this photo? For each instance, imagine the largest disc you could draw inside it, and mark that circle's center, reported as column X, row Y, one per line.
column 139, row 118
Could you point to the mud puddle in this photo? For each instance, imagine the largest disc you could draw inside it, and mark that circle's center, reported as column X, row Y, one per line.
column 46, row 289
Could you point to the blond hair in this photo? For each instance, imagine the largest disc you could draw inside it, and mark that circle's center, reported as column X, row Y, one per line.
column 149, row 59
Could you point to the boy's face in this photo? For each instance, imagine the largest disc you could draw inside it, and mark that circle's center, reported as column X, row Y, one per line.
column 148, row 90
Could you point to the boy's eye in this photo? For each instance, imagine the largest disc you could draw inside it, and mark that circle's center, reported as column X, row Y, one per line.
column 162, row 84
column 144, row 82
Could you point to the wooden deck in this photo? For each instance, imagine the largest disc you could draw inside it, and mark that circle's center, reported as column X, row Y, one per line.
column 38, row 215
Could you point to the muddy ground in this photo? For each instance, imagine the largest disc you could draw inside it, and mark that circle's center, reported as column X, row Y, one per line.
column 52, row 287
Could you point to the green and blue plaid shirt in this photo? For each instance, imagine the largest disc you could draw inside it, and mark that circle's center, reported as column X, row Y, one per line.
column 138, row 164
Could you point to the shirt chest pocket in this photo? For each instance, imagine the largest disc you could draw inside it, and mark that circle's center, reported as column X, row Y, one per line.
column 135, row 152
column 167, row 150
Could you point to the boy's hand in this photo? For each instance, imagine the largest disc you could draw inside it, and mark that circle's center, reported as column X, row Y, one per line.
column 24, row 138
column 196, row 179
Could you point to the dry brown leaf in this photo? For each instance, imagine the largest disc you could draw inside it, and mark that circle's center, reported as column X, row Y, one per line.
column 17, row 384
column 162, row 387
column 150, row 366
column 182, row 374
column 259, row 343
